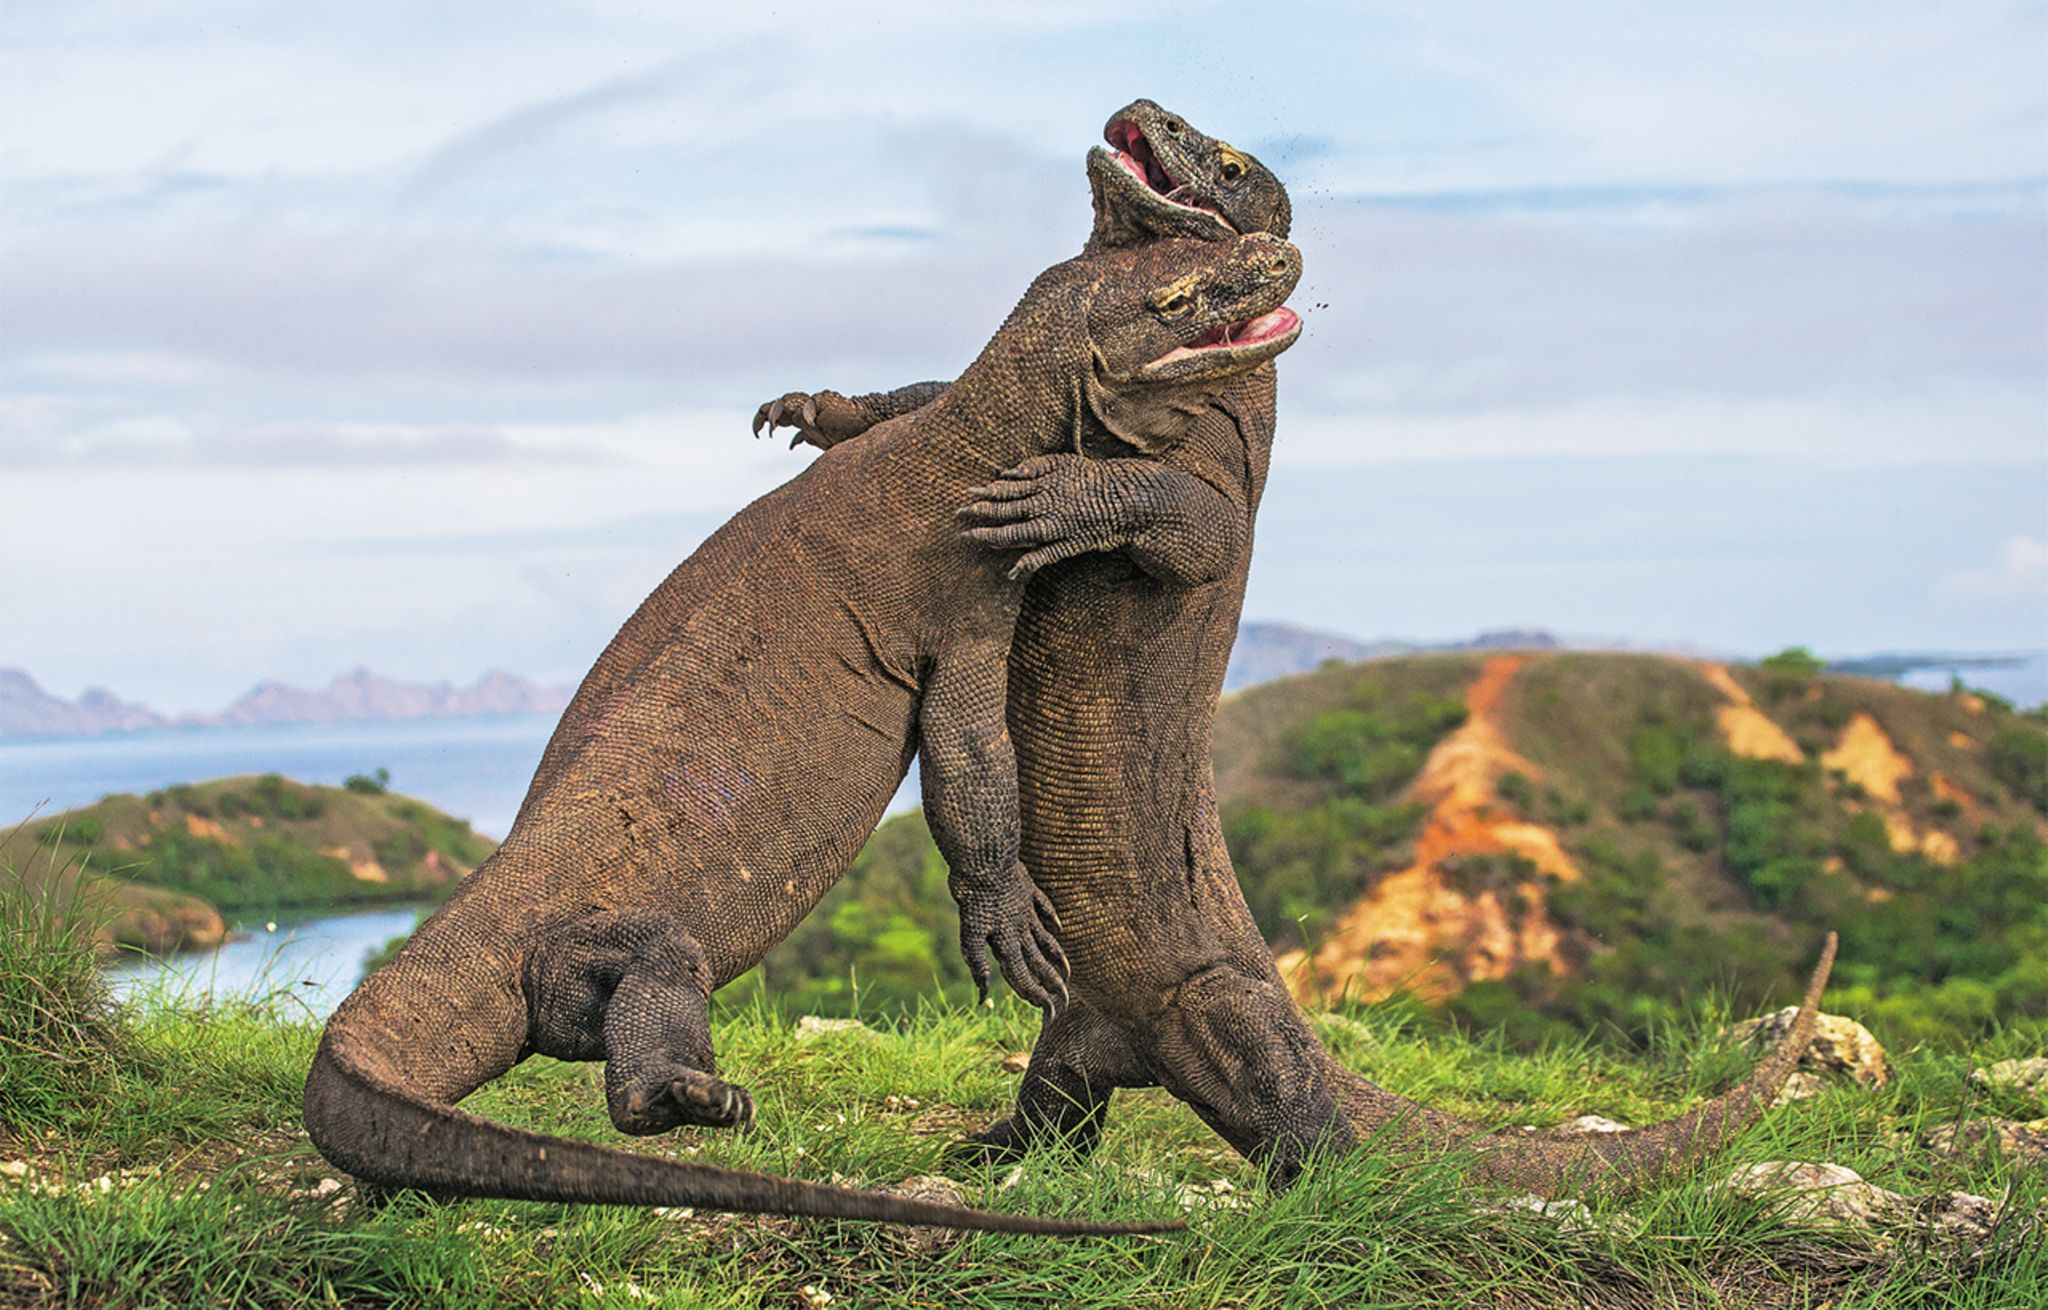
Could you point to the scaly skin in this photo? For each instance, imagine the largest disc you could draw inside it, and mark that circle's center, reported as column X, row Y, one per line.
column 1116, row 668
column 735, row 744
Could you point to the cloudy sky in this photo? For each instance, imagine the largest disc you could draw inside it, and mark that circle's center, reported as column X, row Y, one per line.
column 402, row 334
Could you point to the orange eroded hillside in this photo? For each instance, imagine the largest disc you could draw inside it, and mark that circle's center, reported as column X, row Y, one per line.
column 1419, row 928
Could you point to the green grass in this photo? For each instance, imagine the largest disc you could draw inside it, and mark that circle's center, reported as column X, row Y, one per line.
column 218, row 1205
column 165, row 1166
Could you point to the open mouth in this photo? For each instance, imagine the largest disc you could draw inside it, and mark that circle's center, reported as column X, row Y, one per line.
column 1244, row 332
column 1134, row 154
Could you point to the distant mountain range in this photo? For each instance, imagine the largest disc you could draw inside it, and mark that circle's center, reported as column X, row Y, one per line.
column 1264, row 651
column 359, row 696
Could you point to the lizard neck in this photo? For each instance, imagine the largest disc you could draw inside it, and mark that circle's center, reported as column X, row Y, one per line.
column 1023, row 395
column 1011, row 405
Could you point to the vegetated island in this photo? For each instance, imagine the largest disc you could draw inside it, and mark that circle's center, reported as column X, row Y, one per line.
column 172, row 867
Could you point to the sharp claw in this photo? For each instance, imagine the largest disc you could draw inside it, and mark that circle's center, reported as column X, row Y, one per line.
column 757, row 424
column 810, row 412
column 774, row 412
column 796, row 441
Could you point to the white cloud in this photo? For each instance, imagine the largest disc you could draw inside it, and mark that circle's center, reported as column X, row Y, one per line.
column 1878, row 426
column 2020, row 573
column 363, row 332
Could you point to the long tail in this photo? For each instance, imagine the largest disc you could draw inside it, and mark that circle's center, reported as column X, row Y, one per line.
column 1614, row 1162
column 383, row 1134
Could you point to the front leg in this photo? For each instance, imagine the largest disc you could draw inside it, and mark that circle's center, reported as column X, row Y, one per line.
column 1171, row 524
column 970, row 800
column 826, row 418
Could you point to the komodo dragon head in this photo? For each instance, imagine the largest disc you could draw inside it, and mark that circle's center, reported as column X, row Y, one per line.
column 1172, row 322
column 1159, row 177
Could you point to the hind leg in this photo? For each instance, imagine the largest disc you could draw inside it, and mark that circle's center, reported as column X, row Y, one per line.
column 1237, row 1049
column 630, row 988
column 1080, row 1059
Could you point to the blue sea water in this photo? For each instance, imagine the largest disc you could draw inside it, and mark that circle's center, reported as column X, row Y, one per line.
column 2023, row 682
column 474, row 768
column 304, row 964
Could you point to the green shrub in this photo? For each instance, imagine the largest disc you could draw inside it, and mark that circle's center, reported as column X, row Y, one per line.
column 1793, row 662
column 374, row 783
column 1657, row 757
column 269, row 871
column 400, row 850
column 2018, row 756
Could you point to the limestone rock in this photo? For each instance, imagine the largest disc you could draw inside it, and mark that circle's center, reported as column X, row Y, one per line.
column 811, row 1026
column 1840, row 1045
column 2025, row 1142
column 929, row 1187
column 1570, row 1216
column 1799, row 1087
column 1592, row 1123
column 2029, row 1076
column 1830, row 1196
column 1219, row 1193
column 1816, row 1195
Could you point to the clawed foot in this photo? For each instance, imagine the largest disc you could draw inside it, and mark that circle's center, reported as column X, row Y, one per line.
column 685, row 1097
column 999, row 1143
column 1051, row 507
column 823, row 419
column 1012, row 918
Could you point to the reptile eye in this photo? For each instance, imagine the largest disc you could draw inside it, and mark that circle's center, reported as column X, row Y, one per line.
column 1176, row 305
column 1231, row 172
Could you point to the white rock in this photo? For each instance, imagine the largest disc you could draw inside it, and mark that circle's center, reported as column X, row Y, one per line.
column 1799, row 1087
column 1816, row 1195
column 2026, row 1142
column 1828, row 1195
column 2029, row 1075
column 1593, row 1123
column 1840, row 1045
column 811, row 1026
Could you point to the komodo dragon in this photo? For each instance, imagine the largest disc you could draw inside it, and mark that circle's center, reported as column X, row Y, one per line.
column 1116, row 668
column 732, row 748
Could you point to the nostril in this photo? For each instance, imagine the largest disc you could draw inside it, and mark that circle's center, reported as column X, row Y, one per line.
column 1173, row 126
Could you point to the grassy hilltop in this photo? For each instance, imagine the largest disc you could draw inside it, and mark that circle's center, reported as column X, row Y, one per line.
column 1568, row 841
column 1553, row 844
column 169, row 864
